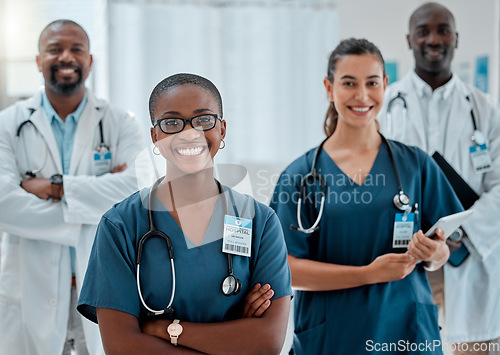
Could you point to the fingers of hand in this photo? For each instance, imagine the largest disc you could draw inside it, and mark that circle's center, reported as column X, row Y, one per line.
column 260, row 305
column 257, row 296
column 440, row 235
column 263, row 307
column 422, row 247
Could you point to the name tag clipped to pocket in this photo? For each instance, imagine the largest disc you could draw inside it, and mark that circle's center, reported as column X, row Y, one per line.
column 481, row 160
column 102, row 160
column 403, row 229
column 237, row 238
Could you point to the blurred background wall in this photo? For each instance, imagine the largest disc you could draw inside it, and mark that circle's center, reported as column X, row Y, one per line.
column 268, row 58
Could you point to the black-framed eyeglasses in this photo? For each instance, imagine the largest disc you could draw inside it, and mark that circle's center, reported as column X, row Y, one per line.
column 171, row 125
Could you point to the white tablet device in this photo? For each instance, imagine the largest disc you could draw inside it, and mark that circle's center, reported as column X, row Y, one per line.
column 449, row 223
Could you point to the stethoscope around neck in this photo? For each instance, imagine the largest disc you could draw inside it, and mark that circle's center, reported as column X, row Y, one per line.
column 477, row 137
column 31, row 173
column 401, row 200
column 231, row 285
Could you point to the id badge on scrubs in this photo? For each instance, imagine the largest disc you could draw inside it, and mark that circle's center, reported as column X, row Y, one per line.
column 481, row 160
column 237, row 238
column 403, row 229
column 102, row 162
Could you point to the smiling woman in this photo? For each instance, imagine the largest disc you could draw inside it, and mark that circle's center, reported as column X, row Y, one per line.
column 200, row 218
column 355, row 268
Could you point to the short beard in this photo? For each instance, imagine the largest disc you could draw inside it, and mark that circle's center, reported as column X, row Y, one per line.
column 63, row 88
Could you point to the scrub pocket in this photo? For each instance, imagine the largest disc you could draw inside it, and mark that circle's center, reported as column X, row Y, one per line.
column 428, row 329
column 310, row 341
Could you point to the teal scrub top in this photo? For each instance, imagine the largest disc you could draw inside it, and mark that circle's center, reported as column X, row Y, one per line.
column 356, row 227
column 110, row 281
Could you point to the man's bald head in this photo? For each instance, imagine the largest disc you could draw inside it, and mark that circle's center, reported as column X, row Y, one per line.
column 57, row 25
column 426, row 8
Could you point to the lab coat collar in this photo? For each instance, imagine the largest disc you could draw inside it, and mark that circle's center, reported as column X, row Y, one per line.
column 424, row 90
column 94, row 112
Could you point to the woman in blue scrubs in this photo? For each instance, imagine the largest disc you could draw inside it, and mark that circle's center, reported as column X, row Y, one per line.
column 190, row 206
column 358, row 289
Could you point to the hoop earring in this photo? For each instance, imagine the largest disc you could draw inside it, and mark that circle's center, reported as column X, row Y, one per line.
column 155, row 152
column 223, row 144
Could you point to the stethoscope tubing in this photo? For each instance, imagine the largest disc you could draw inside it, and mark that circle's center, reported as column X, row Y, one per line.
column 34, row 172
column 477, row 137
column 154, row 232
column 401, row 200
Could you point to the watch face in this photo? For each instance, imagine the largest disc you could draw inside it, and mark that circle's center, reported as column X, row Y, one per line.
column 56, row 179
column 174, row 329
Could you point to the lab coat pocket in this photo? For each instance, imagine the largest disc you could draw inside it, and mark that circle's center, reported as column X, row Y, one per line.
column 10, row 290
column 311, row 341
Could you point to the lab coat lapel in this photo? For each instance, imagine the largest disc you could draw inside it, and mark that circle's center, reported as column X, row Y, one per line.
column 414, row 135
column 85, row 132
column 42, row 123
column 458, row 122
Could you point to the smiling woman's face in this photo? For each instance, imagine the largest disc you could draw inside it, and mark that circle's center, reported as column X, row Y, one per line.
column 358, row 89
column 189, row 151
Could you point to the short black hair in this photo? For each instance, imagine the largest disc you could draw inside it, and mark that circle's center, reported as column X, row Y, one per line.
column 61, row 23
column 430, row 6
column 182, row 79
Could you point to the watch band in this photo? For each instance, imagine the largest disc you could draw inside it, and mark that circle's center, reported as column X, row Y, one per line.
column 56, row 182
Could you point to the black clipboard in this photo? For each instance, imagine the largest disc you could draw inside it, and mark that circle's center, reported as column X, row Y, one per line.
column 465, row 194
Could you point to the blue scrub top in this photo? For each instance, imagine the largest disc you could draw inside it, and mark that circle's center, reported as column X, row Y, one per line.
column 110, row 281
column 357, row 226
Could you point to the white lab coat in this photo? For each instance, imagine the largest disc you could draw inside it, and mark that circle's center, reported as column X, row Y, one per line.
column 472, row 290
column 35, row 274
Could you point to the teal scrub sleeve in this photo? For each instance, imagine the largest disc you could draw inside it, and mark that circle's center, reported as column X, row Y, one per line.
column 110, row 279
column 270, row 265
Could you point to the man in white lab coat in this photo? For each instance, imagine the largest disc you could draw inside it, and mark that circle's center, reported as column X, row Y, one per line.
column 439, row 119
column 70, row 161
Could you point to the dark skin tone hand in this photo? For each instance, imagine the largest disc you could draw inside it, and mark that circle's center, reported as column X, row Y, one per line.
column 42, row 188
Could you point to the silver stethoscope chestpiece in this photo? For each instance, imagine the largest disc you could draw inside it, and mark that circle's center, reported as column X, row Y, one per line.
column 230, row 285
column 401, row 201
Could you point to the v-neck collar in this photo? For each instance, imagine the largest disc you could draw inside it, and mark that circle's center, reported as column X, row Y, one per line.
column 372, row 168
column 213, row 233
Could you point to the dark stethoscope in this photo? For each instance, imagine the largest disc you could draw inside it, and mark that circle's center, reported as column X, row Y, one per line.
column 477, row 137
column 401, row 200
column 33, row 172
column 401, row 98
column 231, row 285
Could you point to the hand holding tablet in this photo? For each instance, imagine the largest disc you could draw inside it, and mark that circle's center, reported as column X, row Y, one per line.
column 449, row 223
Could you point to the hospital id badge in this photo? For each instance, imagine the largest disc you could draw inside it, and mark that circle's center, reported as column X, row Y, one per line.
column 403, row 230
column 237, row 238
column 481, row 160
column 102, row 162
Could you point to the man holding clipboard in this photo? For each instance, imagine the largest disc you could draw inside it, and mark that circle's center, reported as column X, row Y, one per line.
column 442, row 114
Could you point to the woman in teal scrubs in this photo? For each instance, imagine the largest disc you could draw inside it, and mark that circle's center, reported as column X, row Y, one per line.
column 190, row 206
column 358, row 290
